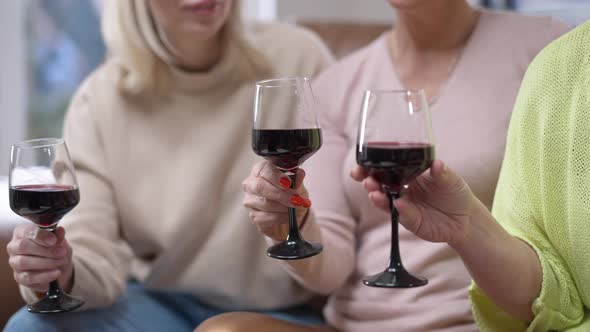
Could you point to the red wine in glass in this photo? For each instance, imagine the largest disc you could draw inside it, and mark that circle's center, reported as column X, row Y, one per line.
column 43, row 188
column 394, row 145
column 285, row 131
column 395, row 164
column 43, row 204
column 288, row 148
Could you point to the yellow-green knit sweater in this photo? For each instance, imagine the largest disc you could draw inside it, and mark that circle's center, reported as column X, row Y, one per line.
column 543, row 195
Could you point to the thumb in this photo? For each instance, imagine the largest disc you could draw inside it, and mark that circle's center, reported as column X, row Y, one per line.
column 442, row 177
column 60, row 233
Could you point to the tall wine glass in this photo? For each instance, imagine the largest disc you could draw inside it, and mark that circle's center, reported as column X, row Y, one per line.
column 286, row 132
column 43, row 189
column 394, row 146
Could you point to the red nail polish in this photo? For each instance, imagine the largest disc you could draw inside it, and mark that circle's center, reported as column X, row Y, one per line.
column 307, row 203
column 297, row 200
column 285, row 182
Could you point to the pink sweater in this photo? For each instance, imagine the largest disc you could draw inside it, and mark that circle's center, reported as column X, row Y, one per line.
column 470, row 120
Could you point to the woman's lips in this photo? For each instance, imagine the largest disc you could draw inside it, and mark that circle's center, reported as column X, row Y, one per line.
column 204, row 8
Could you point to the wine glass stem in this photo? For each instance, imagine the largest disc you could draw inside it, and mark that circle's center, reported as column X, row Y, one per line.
column 395, row 260
column 54, row 289
column 294, row 234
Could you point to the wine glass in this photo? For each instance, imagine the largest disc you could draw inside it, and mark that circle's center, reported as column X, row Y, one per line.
column 43, row 188
column 394, row 146
column 286, row 132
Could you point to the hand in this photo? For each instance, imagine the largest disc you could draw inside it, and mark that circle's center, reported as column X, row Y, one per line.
column 38, row 257
column 268, row 195
column 437, row 206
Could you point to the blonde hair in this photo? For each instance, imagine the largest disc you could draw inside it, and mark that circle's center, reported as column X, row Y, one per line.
column 141, row 69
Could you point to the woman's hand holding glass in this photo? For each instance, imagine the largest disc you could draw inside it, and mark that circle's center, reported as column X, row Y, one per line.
column 38, row 257
column 268, row 195
column 436, row 207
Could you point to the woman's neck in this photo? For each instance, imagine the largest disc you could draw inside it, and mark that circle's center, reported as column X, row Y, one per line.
column 427, row 41
column 437, row 25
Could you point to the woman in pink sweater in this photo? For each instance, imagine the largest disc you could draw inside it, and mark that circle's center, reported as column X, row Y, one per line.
column 470, row 63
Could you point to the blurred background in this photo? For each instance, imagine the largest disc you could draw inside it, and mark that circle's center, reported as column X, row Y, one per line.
column 51, row 45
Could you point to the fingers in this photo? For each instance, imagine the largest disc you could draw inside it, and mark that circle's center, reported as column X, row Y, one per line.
column 358, row 173
column 40, row 236
column 32, row 263
column 60, row 234
column 268, row 182
column 275, row 232
column 28, row 247
column 265, row 219
column 272, row 224
column 409, row 214
column 380, row 200
column 37, row 281
column 38, row 256
column 370, row 184
column 441, row 177
column 262, row 204
column 260, row 187
column 299, row 179
column 273, row 175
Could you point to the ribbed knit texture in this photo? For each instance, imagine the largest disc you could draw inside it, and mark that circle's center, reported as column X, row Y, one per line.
column 543, row 195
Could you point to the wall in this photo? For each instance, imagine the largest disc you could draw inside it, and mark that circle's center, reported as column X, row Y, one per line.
column 370, row 11
column 374, row 11
column 12, row 80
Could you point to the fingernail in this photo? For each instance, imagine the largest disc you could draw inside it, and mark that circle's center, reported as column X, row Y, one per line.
column 60, row 251
column 307, row 203
column 285, row 182
column 297, row 200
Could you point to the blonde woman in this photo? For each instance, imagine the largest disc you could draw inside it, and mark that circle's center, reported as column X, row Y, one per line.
column 159, row 137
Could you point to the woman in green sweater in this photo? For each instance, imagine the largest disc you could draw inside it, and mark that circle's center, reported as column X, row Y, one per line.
column 531, row 260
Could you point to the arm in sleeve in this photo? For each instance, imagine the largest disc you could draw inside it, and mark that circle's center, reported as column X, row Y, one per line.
column 101, row 257
column 534, row 199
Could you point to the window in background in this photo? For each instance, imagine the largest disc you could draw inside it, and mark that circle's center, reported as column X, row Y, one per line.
column 571, row 11
column 63, row 45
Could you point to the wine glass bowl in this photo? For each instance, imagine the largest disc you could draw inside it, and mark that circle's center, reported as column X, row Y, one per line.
column 42, row 189
column 286, row 133
column 394, row 146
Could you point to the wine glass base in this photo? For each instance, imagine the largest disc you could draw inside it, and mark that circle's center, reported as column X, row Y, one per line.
column 55, row 304
column 394, row 279
column 289, row 250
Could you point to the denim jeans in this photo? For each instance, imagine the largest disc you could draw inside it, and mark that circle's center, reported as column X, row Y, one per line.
column 140, row 309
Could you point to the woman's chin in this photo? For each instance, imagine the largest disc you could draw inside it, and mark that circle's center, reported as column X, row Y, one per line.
column 406, row 4
column 202, row 29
